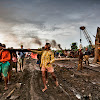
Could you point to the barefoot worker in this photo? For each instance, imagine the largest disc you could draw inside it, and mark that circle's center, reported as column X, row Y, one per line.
column 46, row 61
column 4, row 63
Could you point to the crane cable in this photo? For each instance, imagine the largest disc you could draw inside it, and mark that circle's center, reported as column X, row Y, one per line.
column 91, row 33
column 80, row 40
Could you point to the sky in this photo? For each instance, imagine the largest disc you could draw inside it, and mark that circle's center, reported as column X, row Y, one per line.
column 35, row 22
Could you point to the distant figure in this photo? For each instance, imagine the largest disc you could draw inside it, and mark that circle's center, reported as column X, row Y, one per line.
column 86, row 56
column 14, row 61
column 5, row 58
column 22, row 56
column 80, row 65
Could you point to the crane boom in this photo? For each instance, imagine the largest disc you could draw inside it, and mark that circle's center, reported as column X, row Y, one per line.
column 87, row 36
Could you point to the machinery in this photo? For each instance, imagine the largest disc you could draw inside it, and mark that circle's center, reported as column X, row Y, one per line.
column 97, row 43
column 87, row 36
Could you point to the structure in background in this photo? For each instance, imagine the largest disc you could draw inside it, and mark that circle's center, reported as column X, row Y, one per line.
column 97, row 47
column 87, row 36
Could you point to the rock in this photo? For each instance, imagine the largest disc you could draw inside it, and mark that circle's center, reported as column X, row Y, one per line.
column 14, row 97
column 72, row 75
column 90, row 96
column 78, row 96
column 93, row 82
column 82, row 91
column 18, row 85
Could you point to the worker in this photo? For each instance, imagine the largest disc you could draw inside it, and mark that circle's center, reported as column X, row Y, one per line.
column 22, row 56
column 4, row 63
column 47, row 59
column 14, row 61
column 80, row 64
column 86, row 56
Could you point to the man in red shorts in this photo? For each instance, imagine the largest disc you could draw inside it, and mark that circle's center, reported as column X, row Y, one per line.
column 46, row 61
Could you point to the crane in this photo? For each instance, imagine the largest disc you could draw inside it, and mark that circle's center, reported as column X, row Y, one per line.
column 87, row 36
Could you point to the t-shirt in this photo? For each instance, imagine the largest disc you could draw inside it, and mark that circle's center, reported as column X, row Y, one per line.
column 5, row 56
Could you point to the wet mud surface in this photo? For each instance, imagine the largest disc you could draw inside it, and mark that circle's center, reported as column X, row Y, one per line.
column 73, row 84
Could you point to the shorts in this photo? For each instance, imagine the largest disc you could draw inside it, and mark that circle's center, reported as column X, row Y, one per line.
column 4, row 68
column 49, row 69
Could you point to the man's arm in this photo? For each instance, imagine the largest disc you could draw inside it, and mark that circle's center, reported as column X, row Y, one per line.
column 1, row 51
column 35, row 51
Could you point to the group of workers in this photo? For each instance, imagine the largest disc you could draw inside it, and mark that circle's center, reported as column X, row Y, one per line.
column 10, row 59
column 45, row 59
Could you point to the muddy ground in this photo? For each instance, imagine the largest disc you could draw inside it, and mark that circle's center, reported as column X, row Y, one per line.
column 73, row 84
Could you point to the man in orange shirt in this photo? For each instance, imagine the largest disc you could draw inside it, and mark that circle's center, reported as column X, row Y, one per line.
column 5, row 58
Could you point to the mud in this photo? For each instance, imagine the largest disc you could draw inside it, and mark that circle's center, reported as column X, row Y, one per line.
column 73, row 84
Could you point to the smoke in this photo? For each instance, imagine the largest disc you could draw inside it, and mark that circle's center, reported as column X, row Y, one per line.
column 36, row 40
column 53, row 44
column 30, row 38
column 47, row 41
column 59, row 45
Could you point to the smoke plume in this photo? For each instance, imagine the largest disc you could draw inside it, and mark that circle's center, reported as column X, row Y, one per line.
column 59, row 45
column 53, row 44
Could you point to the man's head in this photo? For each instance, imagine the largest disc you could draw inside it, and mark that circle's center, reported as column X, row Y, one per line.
column 3, row 45
column 21, row 46
column 47, row 46
column 0, row 46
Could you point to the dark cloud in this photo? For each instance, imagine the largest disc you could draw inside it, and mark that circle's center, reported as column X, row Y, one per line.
column 48, row 17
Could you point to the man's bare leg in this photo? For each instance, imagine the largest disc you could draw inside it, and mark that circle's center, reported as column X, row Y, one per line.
column 46, row 74
column 44, row 81
column 9, row 77
column 54, row 77
column 5, row 78
column 20, row 67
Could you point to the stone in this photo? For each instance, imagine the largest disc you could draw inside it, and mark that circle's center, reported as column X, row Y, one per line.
column 18, row 85
column 14, row 97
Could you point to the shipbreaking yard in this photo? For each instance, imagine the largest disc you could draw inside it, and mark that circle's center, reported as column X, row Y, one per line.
column 73, row 84
column 55, row 38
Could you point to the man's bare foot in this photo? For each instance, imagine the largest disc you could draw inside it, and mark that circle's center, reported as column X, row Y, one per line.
column 56, row 83
column 43, row 90
column 6, row 88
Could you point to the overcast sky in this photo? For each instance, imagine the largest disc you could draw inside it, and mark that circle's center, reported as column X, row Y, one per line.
column 21, row 21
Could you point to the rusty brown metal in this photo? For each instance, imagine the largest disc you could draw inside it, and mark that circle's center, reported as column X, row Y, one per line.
column 97, row 46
